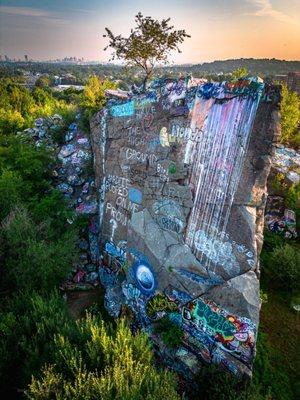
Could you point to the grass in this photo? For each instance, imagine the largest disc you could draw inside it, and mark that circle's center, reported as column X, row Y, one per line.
column 282, row 326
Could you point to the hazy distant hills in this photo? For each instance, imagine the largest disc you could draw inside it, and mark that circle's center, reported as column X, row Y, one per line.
column 80, row 72
column 255, row 66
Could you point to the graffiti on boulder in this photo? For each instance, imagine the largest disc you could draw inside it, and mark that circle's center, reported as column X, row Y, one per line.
column 170, row 191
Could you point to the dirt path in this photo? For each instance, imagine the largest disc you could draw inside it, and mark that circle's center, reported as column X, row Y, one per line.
column 79, row 301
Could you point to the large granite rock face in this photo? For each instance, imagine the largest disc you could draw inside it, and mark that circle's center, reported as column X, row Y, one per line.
column 181, row 173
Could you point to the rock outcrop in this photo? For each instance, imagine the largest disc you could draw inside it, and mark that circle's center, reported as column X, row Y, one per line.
column 181, row 173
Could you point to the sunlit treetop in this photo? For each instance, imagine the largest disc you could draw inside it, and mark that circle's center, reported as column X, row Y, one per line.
column 149, row 43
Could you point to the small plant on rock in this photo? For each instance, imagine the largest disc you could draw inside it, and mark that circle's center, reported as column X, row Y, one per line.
column 158, row 303
column 170, row 333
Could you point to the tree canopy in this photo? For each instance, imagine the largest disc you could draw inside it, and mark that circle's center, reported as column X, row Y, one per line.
column 290, row 117
column 150, row 42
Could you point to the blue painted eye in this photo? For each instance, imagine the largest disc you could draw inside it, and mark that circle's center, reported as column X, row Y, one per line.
column 144, row 277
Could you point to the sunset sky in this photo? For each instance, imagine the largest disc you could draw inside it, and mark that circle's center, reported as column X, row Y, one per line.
column 220, row 29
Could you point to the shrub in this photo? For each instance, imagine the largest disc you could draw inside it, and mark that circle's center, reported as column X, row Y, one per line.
column 290, row 117
column 32, row 255
column 99, row 363
column 272, row 382
column 160, row 303
column 10, row 191
column 170, row 333
column 10, row 122
column 28, row 323
column 278, row 185
column 292, row 197
column 216, row 383
column 283, row 265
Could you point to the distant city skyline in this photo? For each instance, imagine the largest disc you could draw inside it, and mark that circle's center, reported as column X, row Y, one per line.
column 55, row 29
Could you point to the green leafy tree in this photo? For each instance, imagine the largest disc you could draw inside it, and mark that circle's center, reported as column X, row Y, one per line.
column 31, row 163
column 10, row 122
column 19, row 106
column 150, row 42
column 239, row 73
column 284, row 267
column 43, row 81
column 290, row 117
column 33, row 254
column 93, row 97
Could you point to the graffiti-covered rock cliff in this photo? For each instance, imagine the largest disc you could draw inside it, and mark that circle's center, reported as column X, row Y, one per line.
column 181, row 173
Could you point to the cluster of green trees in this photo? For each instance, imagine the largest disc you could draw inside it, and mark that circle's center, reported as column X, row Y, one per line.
column 19, row 107
column 290, row 117
column 93, row 97
column 37, row 248
column 264, row 67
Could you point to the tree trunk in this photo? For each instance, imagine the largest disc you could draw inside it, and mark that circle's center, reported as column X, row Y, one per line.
column 145, row 81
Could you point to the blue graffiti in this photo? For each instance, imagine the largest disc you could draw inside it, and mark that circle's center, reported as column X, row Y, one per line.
column 123, row 110
column 211, row 281
column 115, row 251
column 135, row 195
column 144, row 277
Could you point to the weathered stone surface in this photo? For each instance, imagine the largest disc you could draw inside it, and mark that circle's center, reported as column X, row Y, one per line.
column 238, row 296
column 181, row 173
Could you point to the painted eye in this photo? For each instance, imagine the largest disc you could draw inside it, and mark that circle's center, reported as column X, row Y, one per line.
column 145, row 277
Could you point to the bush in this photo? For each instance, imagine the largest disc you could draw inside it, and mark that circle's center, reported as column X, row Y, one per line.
column 170, row 333
column 28, row 323
column 158, row 303
column 33, row 255
column 216, row 383
column 10, row 122
column 283, row 265
column 31, row 164
column 290, row 117
column 10, row 191
column 278, row 184
column 99, row 363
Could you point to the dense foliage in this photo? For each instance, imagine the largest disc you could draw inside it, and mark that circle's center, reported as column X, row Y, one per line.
column 98, row 362
column 20, row 106
column 290, row 117
column 38, row 336
column 93, row 97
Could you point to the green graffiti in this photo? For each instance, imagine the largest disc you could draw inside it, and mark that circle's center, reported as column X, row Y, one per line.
column 213, row 320
column 172, row 169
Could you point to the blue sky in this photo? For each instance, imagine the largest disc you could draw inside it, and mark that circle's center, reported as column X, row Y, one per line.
column 220, row 29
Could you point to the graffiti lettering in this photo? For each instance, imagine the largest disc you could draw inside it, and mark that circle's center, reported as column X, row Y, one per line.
column 123, row 110
column 132, row 154
column 117, row 215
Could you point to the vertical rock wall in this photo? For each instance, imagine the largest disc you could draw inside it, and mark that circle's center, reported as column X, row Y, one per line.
column 181, row 173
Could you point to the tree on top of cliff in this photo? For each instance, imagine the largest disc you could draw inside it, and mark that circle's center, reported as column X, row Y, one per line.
column 150, row 42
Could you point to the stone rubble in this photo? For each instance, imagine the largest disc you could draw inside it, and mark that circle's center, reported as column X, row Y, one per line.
column 278, row 218
column 73, row 177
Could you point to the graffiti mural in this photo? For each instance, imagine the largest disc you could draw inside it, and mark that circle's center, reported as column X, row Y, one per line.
column 173, row 233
